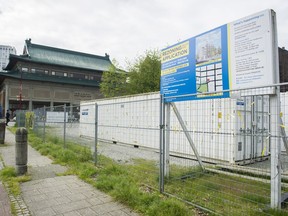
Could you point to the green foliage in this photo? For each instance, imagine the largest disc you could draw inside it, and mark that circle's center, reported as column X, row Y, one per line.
column 144, row 74
column 29, row 119
column 275, row 212
column 8, row 175
column 106, row 183
column 113, row 83
column 168, row 207
column 129, row 194
column 123, row 182
column 53, row 139
column 7, row 172
column 131, row 183
column 86, row 170
column 110, row 176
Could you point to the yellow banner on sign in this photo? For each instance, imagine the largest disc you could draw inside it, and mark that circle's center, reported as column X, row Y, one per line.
column 173, row 69
column 175, row 52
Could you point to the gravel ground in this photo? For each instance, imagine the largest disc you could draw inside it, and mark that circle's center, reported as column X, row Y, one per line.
column 124, row 153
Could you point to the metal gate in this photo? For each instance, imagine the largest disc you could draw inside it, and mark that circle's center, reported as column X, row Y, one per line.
column 253, row 126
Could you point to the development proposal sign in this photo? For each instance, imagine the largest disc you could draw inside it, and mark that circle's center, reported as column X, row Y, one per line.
column 251, row 52
column 232, row 56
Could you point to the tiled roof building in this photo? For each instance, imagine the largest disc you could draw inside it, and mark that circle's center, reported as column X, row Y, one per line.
column 50, row 76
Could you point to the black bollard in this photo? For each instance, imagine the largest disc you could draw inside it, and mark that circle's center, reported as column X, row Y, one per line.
column 21, row 150
column 2, row 132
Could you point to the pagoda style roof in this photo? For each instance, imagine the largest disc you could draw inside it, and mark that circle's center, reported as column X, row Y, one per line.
column 60, row 57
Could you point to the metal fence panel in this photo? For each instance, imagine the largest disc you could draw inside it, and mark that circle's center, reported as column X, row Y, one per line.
column 234, row 137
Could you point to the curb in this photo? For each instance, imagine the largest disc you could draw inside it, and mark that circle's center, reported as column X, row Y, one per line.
column 17, row 202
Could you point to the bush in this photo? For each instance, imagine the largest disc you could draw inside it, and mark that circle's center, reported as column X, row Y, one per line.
column 29, row 119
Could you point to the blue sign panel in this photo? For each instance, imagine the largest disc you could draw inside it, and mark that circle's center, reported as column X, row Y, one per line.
column 197, row 67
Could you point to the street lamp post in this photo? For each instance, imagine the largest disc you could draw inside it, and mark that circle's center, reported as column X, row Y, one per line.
column 20, row 90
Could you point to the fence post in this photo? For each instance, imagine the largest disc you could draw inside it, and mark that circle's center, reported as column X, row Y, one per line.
column 275, row 151
column 275, row 129
column 96, row 135
column 64, row 138
column 162, row 143
column 44, row 126
column 21, row 150
column 167, row 140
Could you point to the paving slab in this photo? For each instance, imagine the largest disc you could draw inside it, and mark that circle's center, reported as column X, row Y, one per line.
column 53, row 195
column 4, row 202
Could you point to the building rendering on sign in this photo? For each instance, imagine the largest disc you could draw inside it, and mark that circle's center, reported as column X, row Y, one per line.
column 48, row 76
column 5, row 51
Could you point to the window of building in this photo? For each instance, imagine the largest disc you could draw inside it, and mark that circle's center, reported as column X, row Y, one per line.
column 86, row 77
column 71, row 75
column 97, row 77
column 53, row 73
column 46, row 72
column 59, row 73
column 40, row 71
column 33, row 70
column 91, row 77
column 65, row 74
column 24, row 69
column 79, row 76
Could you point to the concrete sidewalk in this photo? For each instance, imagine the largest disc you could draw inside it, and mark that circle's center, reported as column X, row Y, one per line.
column 48, row 194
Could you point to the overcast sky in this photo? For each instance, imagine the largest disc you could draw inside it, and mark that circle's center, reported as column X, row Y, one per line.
column 123, row 28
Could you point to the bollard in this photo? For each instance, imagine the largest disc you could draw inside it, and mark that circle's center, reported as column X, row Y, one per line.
column 2, row 132
column 21, row 150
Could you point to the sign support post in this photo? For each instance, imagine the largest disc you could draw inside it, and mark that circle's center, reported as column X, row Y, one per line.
column 275, row 129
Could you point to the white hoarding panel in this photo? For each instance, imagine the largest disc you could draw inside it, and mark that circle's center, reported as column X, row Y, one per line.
column 251, row 51
column 220, row 128
column 56, row 117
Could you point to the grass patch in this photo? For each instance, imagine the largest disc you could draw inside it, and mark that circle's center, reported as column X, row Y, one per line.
column 168, row 207
column 9, row 177
column 123, row 182
column 127, row 183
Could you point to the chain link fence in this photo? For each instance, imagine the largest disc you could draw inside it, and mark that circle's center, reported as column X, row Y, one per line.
column 62, row 122
column 214, row 154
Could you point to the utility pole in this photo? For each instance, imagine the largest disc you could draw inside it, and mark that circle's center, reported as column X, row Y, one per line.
column 20, row 91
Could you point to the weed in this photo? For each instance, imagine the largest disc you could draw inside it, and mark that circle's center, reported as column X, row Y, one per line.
column 126, row 182
column 7, row 172
column 168, row 207
column 8, row 175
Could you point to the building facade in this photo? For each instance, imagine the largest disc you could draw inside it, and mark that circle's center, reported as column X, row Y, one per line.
column 48, row 76
column 5, row 51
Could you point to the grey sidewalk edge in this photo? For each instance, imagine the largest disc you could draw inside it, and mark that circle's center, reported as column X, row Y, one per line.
column 16, row 201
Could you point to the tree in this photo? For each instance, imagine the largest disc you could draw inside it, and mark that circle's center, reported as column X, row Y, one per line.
column 144, row 74
column 113, row 82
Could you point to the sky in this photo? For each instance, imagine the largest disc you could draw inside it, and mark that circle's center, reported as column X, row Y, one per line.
column 124, row 29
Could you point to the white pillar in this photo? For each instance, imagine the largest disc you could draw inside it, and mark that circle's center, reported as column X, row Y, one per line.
column 275, row 153
column 51, row 105
column 30, row 104
column 167, row 141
